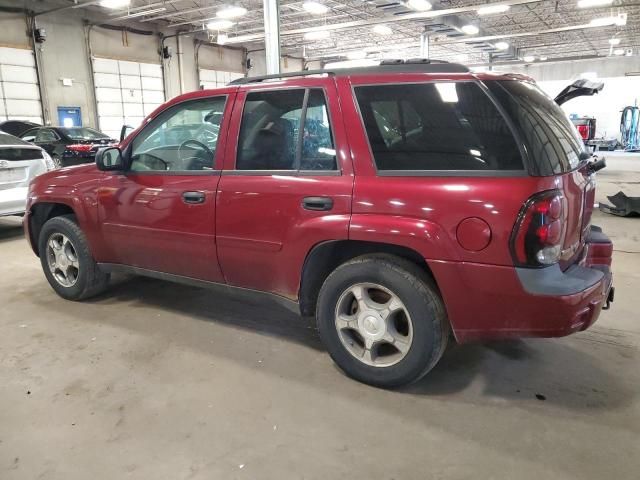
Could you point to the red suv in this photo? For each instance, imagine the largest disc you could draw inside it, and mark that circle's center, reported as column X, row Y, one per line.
column 397, row 203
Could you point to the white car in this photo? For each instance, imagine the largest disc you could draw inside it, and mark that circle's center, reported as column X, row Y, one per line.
column 20, row 162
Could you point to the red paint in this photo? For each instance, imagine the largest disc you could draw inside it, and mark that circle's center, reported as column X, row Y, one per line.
column 473, row 234
column 252, row 232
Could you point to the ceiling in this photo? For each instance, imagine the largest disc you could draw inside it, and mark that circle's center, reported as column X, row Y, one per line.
column 551, row 29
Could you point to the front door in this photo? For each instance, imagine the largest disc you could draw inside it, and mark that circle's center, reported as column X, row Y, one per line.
column 160, row 214
column 287, row 189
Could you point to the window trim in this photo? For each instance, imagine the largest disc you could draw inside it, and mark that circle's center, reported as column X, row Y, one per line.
column 129, row 149
column 445, row 173
column 303, row 116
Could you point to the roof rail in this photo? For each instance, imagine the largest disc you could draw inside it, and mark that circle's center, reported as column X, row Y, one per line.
column 412, row 65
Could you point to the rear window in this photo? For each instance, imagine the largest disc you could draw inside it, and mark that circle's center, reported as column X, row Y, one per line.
column 6, row 139
column 436, row 126
column 552, row 141
column 19, row 154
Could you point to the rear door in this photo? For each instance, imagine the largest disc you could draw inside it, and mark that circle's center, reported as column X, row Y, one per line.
column 286, row 185
column 49, row 139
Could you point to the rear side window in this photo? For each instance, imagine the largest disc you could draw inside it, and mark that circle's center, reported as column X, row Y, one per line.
column 436, row 126
column 552, row 141
column 271, row 137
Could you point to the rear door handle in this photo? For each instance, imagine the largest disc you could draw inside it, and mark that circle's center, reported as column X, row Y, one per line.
column 193, row 197
column 317, row 203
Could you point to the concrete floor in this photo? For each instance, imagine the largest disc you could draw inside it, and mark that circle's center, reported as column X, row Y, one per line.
column 162, row 381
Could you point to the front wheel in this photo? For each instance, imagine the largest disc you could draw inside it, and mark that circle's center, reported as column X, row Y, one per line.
column 382, row 320
column 67, row 262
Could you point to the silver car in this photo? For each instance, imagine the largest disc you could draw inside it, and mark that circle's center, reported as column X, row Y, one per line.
column 20, row 162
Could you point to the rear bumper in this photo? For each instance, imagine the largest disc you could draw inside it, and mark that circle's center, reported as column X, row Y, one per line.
column 489, row 302
column 13, row 201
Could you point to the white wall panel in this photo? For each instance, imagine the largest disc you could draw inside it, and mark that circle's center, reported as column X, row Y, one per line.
column 131, row 96
column 25, row 108
column 152, row 96
column 152, row 83
column 108, row 94
column 105, row 65
column 108, row 109
column 129, row 68
column 12, row 73
column 21, row 91
column 133, row 110
column 130, row 82
column 16, row 56
column 110, row 80
column 149, row 108
column 150, row 70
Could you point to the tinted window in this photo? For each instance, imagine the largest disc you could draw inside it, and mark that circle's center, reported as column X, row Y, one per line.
column 436, row 126
column 270, row 132
column 552, row 141
column 46, row 135
column 79, row 133
column 182, row 138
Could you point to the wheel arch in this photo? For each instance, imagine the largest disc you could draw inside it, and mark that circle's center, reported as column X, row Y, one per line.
column 325, row 257
column 40, row 213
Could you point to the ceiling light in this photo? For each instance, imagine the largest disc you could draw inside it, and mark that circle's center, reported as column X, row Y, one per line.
column 233, row 11
column 220, row 25
column 501, row 45
column 317, row 35
column 543, row 59
column 356, row 55
column 614, row 41
column 419, row 5
column 619, row 20
column 145, row 12
column 470, row 29
column 115, row 3
column 491, row 9
column 593, row 3
column 222, row 38
column 382, row 30
column 315, row 8
column 528, row 58
column 618, row 51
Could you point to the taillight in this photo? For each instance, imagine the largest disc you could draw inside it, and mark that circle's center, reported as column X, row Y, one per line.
column 583, row 130
column 80, row 147
column 538, row 235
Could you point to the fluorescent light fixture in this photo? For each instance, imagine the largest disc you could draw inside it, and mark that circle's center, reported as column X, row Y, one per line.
column 528, row 58
column 619, row 20
column 382, row 30
column 115, row 3
column 618, row 51
column 614, row 41
column 220, row 24
column 316, row 8
column 222, row 38
column 146, row 12
column 593, row 3
column 475, row 153
column 317, row 35
column 233, row 11
column 491, row 9
column 356, row 55
column 469, row 29
column 501, row 45
column 419, row 5
column 447, row 92
column 543, row 58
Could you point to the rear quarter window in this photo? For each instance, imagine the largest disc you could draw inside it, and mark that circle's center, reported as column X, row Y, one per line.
column 446, row 126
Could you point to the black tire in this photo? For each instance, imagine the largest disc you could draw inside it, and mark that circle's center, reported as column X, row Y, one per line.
column 90, row 279
column 420, row 296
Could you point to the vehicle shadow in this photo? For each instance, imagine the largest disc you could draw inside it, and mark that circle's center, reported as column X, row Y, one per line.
column 10, row 228
column 567, row 373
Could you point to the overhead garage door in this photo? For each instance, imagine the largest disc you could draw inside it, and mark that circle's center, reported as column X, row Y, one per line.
column 216, row 78
column 126, row 92
column 19, row 94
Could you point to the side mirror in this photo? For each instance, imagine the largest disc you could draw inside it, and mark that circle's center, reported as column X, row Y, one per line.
column 124, row 131
column 109, row 159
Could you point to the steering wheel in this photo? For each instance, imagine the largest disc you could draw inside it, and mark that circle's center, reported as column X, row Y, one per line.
column 191, row 141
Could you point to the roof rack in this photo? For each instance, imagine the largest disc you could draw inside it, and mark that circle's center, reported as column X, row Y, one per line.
column 412, row 65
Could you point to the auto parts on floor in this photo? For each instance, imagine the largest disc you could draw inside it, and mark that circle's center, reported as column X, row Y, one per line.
column 623, row 206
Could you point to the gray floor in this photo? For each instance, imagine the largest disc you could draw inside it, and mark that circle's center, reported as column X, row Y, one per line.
column 161, row 381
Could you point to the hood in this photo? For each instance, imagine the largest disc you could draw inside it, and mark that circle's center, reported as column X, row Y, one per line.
column 579, row 88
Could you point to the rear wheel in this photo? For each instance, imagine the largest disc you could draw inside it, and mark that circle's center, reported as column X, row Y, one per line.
column 67, row 262
column 56, row 160
column 382, row 320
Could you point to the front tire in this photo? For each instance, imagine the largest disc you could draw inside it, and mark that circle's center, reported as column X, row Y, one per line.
column 67, row 262
column 382, row 320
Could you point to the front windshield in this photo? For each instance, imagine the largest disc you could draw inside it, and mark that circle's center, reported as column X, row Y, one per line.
column 78, row 133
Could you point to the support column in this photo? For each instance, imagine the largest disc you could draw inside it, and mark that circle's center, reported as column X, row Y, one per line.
column 272, row 35
column 424, row 44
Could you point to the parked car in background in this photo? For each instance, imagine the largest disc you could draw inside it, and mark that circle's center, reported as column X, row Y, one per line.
column 397, row 203
column 20, row 162
column 68, row 145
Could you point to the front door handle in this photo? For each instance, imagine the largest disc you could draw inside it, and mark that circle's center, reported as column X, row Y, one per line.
column 193, row 197
column 317, row 203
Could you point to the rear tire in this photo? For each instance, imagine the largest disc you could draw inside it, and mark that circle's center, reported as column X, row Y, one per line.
column 56, row 161
column 382, row 320
column 67, row 262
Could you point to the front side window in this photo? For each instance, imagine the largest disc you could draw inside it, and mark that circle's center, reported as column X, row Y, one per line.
column 271, row 137
column 436, row 126
column 181, row 139
column 46, row 135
